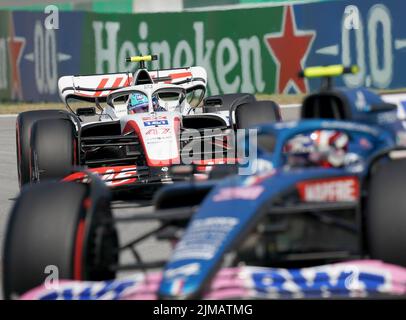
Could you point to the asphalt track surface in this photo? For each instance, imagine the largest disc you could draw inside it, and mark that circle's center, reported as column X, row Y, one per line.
column 150, row 249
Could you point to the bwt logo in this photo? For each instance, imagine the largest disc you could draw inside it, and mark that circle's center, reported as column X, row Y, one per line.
column 52, row 20
column 351, row 18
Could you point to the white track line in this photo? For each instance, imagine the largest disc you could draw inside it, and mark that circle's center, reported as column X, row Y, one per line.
column 8, row 115
column 290, row 106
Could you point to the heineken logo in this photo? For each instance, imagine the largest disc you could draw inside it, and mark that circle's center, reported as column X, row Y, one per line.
column 290, row 48
column 11, row 49
column 233, row 65
column 257, row 50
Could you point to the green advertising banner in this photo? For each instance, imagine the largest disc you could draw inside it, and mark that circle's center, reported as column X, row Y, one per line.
column 6, row 44
column 230, row 45
column 257, row 50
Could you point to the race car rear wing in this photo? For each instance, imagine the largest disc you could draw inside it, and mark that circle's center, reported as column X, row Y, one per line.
column 97, row 87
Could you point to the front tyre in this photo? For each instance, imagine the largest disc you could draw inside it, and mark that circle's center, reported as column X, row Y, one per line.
column 53, row 149
column 24, row 124
column 385, row 218
column 49, row 225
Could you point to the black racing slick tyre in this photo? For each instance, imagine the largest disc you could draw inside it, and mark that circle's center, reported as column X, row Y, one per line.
column 49, row 229
column 256, row 113
column 53, row 149
column 385, row 218
column 24, row 123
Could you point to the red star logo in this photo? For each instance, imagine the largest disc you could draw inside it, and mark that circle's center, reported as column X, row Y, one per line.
column 289, row 48
column 15, row 50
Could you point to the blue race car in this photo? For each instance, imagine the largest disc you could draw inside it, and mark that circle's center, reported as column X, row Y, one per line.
column 326, row 189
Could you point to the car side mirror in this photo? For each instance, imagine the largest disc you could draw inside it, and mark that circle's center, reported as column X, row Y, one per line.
column 213, row 101
column 88, row 111
column 381, row 107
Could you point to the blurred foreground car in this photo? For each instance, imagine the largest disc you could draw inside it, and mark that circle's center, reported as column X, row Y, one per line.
column 324, row 197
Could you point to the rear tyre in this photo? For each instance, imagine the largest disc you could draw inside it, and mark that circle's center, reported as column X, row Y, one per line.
column 53, row 149
column 385, row 219
column 256, row 113
column 49, row 226
column 24, row 123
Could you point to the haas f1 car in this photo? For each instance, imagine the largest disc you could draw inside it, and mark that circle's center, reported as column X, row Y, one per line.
column 136, row 127
column 321, row 214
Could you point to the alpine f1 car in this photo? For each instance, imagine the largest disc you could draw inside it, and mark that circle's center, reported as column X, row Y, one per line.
column 324, row 196
column 137, row 126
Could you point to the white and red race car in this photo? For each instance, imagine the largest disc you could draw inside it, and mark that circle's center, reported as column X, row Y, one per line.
column 137, row 126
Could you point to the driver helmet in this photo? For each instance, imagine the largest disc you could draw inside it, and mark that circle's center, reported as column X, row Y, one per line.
column 138, row 103
column 323, row 148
